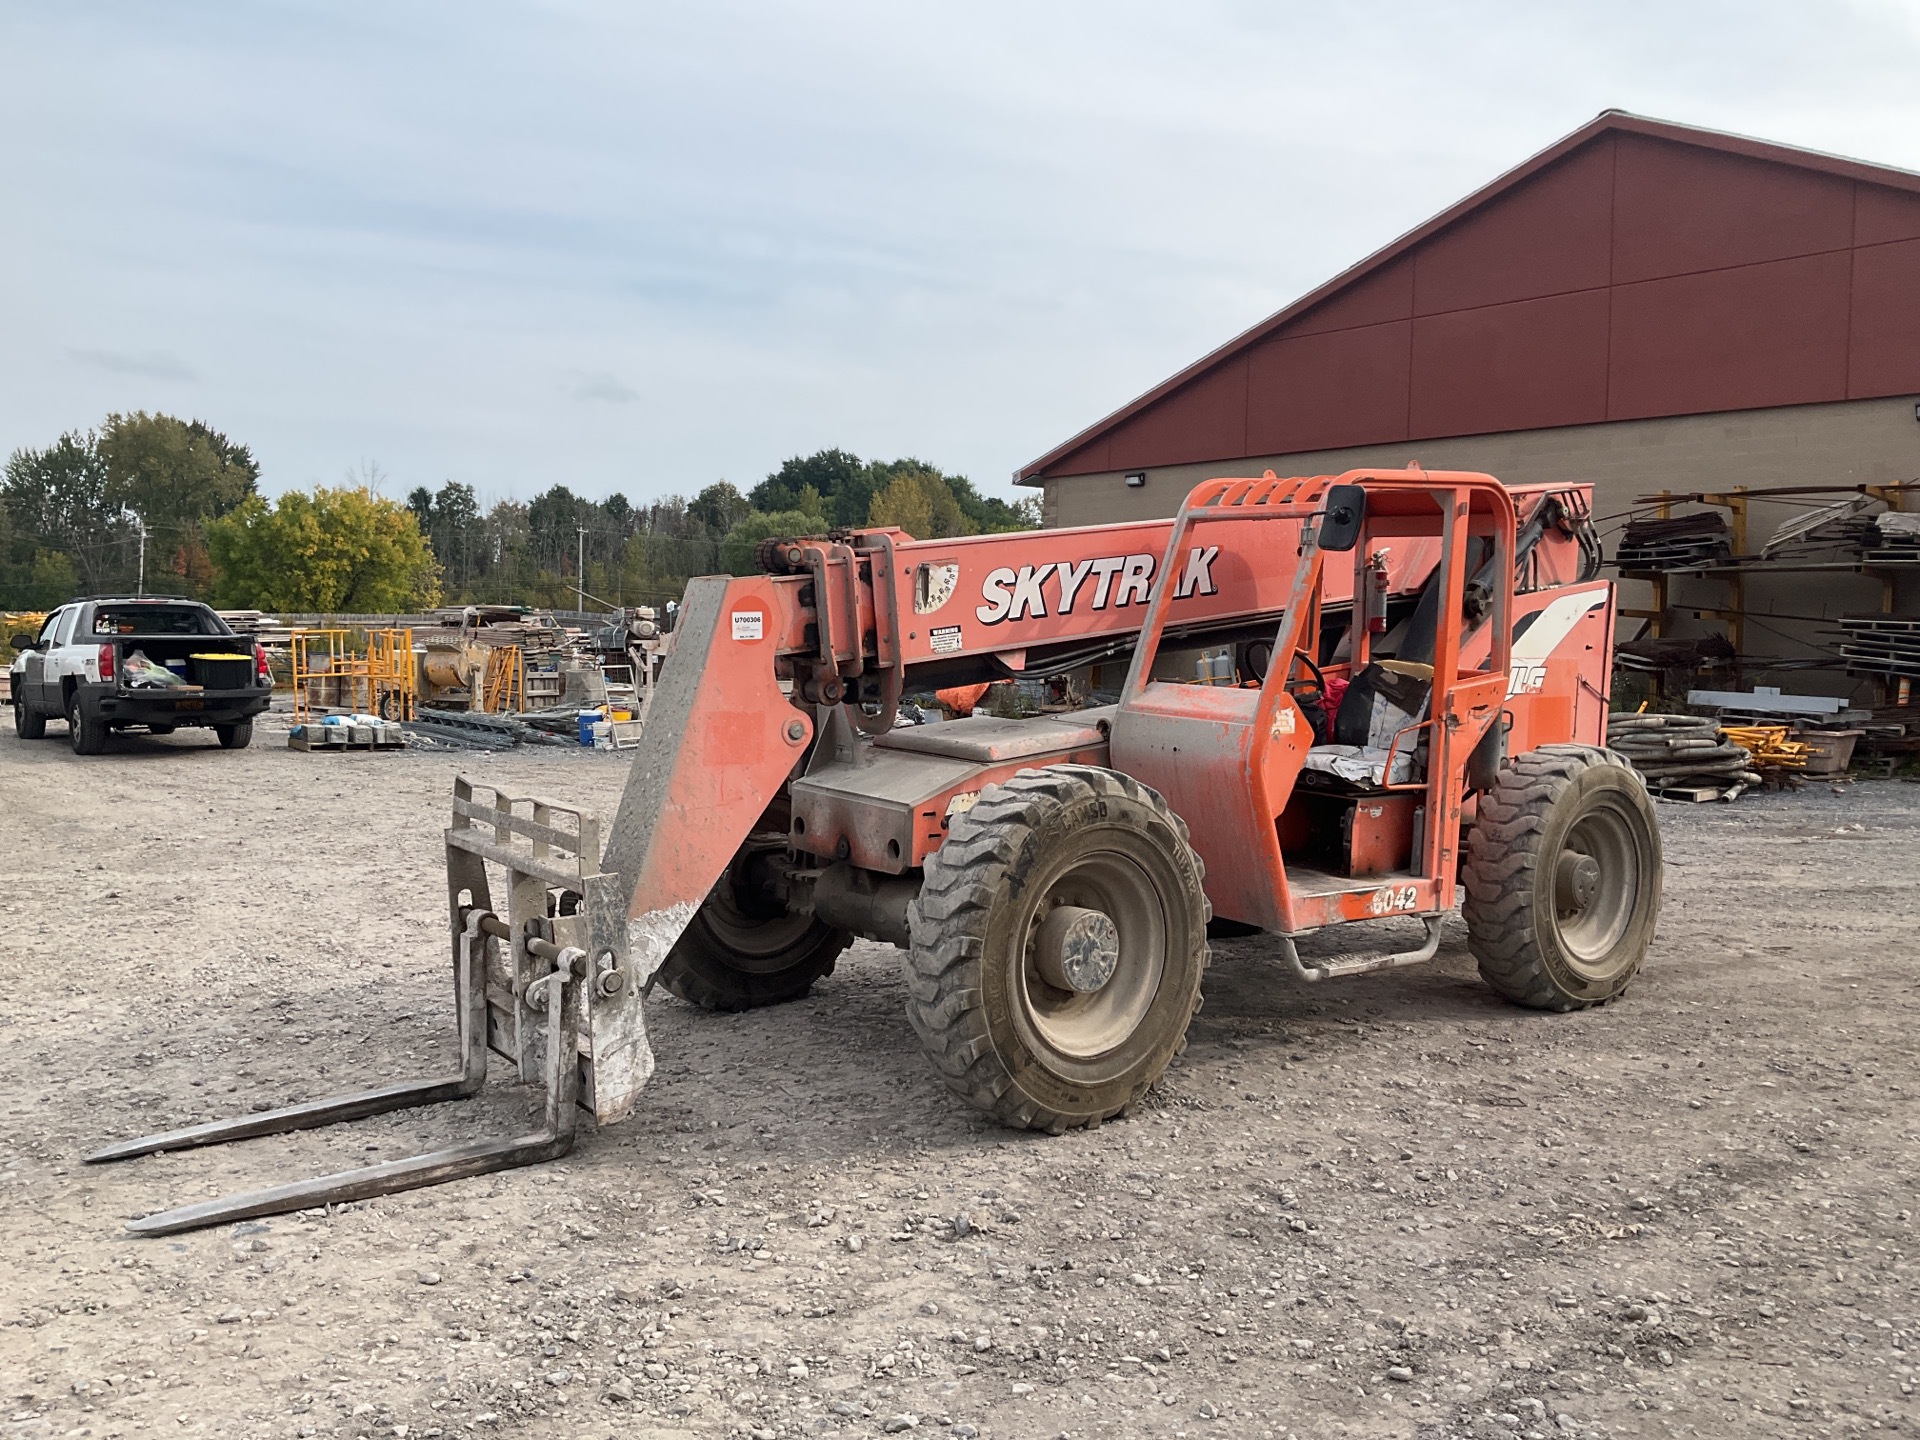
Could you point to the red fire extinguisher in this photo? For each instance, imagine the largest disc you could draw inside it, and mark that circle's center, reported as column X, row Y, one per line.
column 1377, row 593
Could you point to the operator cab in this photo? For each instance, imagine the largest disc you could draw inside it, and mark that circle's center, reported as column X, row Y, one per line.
column 1361, row 806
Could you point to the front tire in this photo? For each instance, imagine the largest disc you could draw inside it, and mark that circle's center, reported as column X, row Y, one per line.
column 88, row 737
column 1563, row 878
column 28, row 723
column 741, row 952
column 1059, row 941
column 235, row 737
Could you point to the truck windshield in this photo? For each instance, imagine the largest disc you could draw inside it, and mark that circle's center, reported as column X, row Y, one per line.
column 154, row 620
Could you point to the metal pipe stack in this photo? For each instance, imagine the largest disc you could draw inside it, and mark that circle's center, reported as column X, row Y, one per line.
column 1681, row 750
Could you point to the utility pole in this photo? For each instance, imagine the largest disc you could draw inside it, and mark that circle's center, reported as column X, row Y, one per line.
column 140, row 587
column 580, row 572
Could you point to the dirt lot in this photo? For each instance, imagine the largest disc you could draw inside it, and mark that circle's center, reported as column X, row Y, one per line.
column 1388, row 1206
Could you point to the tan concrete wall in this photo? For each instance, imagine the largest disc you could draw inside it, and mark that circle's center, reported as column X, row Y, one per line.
column 1848, row 443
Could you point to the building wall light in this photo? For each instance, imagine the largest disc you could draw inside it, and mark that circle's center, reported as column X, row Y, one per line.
column 1137, row 478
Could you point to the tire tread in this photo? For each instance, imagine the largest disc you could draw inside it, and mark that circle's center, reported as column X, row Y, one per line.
column 949, row 919
column 1501, row 877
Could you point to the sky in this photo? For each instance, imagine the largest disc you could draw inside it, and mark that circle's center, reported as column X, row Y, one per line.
column 637, row 247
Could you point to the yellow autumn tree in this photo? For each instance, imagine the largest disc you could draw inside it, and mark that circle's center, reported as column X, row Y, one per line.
column 922, row 504
column 344, row 551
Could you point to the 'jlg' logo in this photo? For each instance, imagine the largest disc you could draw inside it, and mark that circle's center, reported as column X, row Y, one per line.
column 1106, row 583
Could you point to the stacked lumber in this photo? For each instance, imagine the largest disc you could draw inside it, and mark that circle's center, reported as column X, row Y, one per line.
column 1685, row 756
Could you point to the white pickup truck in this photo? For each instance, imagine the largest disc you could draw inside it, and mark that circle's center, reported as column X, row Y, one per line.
column 107, row 663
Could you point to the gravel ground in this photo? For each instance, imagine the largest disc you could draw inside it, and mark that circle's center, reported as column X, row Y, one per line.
column 1389, row 1206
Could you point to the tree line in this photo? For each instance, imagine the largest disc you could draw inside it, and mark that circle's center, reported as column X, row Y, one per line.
column 530, row 552
column 173, row 505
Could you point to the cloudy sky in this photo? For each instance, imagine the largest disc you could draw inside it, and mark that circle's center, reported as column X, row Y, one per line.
column 640, row 247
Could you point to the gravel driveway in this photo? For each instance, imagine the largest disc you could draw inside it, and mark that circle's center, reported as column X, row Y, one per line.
column 1389, row 1206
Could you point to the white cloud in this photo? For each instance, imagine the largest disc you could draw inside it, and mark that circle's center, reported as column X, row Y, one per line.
column 601, row 388
column 151, row 364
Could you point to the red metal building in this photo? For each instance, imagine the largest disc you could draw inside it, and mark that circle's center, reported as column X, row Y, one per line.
column 1643, row 305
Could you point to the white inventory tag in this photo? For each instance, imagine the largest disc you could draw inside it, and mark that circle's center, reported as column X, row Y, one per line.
column 749, row 625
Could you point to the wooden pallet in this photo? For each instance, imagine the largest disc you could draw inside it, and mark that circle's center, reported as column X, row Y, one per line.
column 1691, row 794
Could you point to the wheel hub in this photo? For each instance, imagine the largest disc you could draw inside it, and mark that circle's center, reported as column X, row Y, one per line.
column 1576, row 882
column 1077, row 949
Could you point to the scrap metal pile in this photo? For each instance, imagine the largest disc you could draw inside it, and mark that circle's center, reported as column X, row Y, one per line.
column 1700, row 539
column 471, row 730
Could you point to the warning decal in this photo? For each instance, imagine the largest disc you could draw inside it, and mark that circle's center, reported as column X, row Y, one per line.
column 945, row 639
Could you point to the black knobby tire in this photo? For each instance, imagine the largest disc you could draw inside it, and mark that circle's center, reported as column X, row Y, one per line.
column 1001, row 1035
column 235, row 737
column 28, row 723
column 740, row 953
column 1563, row 878
column 88, row 737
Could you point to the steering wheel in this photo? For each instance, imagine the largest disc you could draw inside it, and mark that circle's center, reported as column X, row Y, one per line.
column 1257, row 655
column 1317, row 684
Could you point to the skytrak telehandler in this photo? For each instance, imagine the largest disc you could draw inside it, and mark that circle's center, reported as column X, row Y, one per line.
column 1422, row 720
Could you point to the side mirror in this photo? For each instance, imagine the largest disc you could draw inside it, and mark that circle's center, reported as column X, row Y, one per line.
column 23, row 642
column 1340, row 522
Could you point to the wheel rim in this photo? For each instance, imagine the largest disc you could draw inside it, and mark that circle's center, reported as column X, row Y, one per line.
column 1085, row 1024
column 1596, row 888
column 761, row 944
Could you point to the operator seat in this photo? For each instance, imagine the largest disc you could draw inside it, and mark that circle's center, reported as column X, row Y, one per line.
column 1382, row 700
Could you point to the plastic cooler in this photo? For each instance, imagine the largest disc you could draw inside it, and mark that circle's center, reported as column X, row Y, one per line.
column 224, row 671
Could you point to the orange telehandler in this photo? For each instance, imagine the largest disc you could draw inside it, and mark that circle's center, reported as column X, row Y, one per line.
column 1425, row 658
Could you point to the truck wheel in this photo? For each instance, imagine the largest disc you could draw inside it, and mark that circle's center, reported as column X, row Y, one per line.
column 1059, row 941
column 1563, row 878
column 235, row 737
column 742, row 951
column 88, row 737
column 28, row 723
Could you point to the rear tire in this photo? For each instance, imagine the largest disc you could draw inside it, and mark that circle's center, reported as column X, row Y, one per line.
column 1033, row 1052
column 28, row 723
column 235, row 737
column 740, row 953
column 1563, row 878
column 88, row 737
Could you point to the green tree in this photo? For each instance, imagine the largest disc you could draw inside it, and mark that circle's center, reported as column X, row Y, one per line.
column 552, row 528
column 505, row 570
column 174, row 475
column 736, row 552
column 453, row 526
column 58, row 503
column 347, row 551
column 847, row 487
column 619, row 514
column 719, row 507
column 843, row 482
